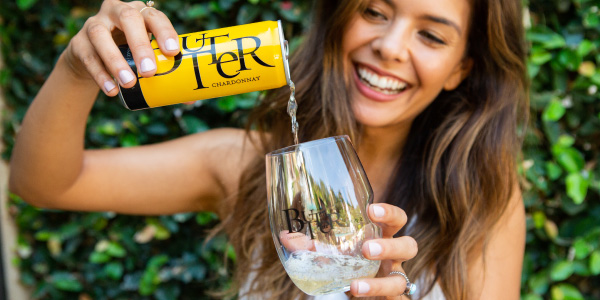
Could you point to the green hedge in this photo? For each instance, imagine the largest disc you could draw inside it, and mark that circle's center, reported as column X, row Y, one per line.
column 103, row 255
column 561, row 152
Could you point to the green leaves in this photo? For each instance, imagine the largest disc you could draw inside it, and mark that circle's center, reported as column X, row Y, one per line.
column 569, row 158
column 595, row 262
column 562, row 186
column 150, row 279
column 565, row 291
column 561, row 270
column 577, row 187
column 114, row 270
column 540, row 56
column 554, row 111
column 25, row 4
column 546, row 38
column 65, row 281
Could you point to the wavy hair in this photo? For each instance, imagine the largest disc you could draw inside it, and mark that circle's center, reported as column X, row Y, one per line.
column 459, row 159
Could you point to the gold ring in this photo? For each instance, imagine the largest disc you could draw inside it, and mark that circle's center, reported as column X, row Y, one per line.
column 149, row 4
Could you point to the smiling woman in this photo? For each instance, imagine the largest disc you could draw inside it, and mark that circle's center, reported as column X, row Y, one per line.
column 431, row 93
column 418, row 46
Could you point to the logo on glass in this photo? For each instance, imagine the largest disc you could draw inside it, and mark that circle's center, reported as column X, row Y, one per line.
column 323, row 219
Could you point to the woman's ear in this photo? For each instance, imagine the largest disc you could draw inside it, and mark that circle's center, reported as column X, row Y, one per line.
column 460, row 72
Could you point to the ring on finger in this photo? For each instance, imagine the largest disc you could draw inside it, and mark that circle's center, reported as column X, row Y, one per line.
column 411, row 288
column 149, row 4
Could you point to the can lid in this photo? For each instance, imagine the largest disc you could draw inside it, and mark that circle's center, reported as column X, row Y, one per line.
column 285, row 51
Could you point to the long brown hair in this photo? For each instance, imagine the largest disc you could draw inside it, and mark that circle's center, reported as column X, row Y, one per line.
column 456, row 171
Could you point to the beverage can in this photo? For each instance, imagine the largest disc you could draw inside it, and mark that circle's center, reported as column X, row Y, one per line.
column 213, row 63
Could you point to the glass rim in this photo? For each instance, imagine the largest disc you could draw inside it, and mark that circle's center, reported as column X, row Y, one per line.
column 308, row 144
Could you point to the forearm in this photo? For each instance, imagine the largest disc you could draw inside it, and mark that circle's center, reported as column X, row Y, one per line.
column 48, row 154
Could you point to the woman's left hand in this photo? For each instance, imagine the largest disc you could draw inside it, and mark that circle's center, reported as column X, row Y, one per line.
column 391, row 251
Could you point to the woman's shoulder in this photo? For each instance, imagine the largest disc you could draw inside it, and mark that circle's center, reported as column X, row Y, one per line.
column 228, row 140
column 227, row 153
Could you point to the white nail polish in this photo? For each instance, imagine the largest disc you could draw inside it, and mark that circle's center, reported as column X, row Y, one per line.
column 378, row 211
column 363, row 287
column 125, row 76
column 374, row 249
column 147, row 65
column 171, row 44
column 109, row 85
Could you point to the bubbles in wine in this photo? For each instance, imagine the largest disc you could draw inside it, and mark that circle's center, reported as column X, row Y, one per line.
column 320, row 274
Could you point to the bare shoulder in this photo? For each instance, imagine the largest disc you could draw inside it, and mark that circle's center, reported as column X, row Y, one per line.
column 227, row 152
column 226, row 145
column 497, row 274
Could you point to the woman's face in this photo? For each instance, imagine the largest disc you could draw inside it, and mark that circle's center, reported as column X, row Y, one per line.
column 402, row 54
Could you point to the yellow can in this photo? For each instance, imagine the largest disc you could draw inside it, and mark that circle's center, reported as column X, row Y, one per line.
column 214, row 63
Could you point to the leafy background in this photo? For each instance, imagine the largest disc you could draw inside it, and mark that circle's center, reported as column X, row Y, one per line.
column 67, row 255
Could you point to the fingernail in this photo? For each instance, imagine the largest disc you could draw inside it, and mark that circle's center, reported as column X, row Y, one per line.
column 378, row 211
column 171, row 44
column 363, row 287
column 109, row 85
column 147, row 65
column 374, row 249
column 125, row 76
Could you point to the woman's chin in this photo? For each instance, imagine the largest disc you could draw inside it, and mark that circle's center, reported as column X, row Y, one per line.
column 371, row 117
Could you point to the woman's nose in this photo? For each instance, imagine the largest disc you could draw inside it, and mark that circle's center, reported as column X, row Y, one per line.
column 393, row 44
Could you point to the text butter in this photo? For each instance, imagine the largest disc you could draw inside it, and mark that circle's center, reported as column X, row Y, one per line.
column 214, row 63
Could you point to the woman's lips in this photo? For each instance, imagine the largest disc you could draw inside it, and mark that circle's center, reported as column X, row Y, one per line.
column 370, row 93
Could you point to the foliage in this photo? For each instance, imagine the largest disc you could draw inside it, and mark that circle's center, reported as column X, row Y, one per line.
column 65, row 255
column 102, row 255
column 561, row 152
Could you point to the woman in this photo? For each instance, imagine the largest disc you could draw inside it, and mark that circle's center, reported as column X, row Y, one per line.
column 429, row 91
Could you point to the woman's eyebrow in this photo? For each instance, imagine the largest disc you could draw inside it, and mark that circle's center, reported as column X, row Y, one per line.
column 442, row 20
column 436, row 19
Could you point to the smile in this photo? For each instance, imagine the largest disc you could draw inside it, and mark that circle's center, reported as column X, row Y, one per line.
column 382, row 84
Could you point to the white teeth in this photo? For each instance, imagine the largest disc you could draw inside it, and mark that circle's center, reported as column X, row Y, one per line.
column 384, row 84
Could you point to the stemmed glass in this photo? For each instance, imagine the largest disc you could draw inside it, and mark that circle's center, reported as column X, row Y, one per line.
column 318, row 196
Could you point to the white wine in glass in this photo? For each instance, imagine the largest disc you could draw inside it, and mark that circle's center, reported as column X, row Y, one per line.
column 318, row 196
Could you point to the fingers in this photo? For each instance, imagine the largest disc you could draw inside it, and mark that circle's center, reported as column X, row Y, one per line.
column 133, row 25
column 101, row 38
column 163, row 30
column 99, row 54
column 391, row 286
column 84, row 51
column 398, row 249
column 390, row 217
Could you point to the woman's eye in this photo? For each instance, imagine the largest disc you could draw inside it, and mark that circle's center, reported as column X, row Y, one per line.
column 428, row 35
column 373, row 14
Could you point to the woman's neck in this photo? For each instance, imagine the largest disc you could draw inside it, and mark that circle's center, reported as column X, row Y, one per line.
column 379, row 151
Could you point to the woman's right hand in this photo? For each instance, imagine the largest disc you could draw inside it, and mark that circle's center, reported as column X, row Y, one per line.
column 93, row 52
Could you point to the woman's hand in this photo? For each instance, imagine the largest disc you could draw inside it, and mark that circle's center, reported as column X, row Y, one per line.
column 391, row 251
column 93, row 53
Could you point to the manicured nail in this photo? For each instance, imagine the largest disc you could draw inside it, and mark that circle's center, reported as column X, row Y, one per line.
column 147, row 65
column 363, row 287
column 109, row 85
column 374, row 249
column 171, row 44
column 378, row 211
column 125, row 76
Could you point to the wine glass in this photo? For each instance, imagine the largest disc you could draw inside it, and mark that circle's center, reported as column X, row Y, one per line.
column 318, row 195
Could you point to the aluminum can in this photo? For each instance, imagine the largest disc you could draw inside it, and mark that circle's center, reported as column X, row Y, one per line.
column 211, row 64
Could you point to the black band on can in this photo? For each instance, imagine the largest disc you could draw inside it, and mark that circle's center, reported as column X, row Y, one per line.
column 132, row 98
